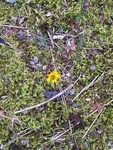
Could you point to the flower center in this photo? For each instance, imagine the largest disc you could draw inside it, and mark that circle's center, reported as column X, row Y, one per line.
column 53, row 77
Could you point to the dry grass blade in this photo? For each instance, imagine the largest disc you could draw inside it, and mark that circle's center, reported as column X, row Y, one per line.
column 92, row 124
column 45, row 102
column 10, row 26
column 58, row 136
column 103, row 105
column 52, row 42
column 49, row 100
column 20, row 135
column 96, row 79
column 3, row 41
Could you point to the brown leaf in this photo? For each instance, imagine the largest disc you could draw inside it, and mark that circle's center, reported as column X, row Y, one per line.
column 93, row 106
column 97, row 105
column 100, row 106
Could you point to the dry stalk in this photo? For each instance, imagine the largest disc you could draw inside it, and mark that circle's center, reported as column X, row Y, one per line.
column 58, row 135
column 96, row 79
column 49, row 100
column 12, row 119
column 19, row 135
column 92, row 124
column 103, row 105
column 52, row 42
column 73, row 137
column 10, row 26
column 45, row 102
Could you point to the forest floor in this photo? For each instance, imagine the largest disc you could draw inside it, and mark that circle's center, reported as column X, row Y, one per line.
column 56, row 75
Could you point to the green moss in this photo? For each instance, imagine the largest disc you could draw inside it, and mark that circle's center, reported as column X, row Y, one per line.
column 22, row 86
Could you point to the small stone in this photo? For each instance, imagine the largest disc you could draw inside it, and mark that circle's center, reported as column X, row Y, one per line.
column 21, row 20
column 86, row 6
column 4, row 97
column 68, row 74
column 86, row 144
column 25, row 142
column 93, row 68
column 48, row 14
column 109, row 144
column 76, row 31
column 44, row 67
column 27, row 1
column 1, row 146
column 41, row 108
column 50, row 94
column 33, row 61
column 88, row 99
column 72, row 92
column 21, row 35
column 6, row 80
column 83, row 76
column 65, row 125
column 11, row 1
column 74, row 105
column 99, row 131
column 60, row 148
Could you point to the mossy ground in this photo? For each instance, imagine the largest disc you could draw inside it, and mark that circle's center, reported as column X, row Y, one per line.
column 86, row 52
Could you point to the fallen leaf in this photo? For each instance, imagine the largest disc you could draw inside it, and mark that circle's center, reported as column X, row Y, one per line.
column 97, row 105
column 100, row 106
column 93, row 106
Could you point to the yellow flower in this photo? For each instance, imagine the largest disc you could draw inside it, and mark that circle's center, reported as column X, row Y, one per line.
column 53, row 77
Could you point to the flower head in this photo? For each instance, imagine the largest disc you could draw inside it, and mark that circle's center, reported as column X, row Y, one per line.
column 53, row 77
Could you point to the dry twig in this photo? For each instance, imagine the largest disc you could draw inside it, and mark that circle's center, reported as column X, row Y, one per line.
column 92, row 124
column 96, row 79
column 49, row 100
column 10, row 26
